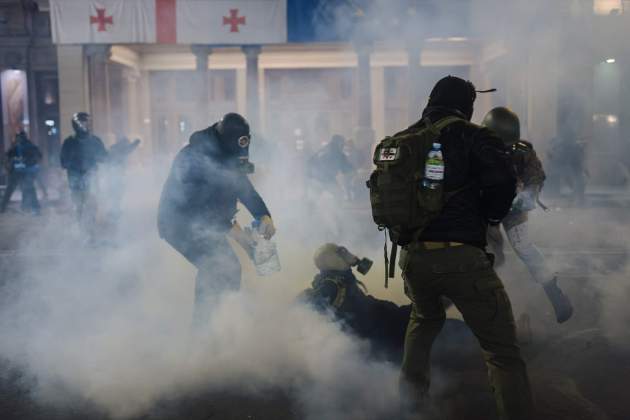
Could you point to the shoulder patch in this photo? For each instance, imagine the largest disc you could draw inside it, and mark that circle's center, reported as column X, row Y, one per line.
column 388, row 154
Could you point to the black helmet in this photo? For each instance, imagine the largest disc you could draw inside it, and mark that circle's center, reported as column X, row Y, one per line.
column 454, row 93
column 504, row 123
column 81, row 123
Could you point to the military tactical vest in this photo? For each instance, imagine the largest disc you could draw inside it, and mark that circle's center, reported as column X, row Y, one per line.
column 400, row 202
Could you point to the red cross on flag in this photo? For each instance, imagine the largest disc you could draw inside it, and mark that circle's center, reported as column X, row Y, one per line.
column 169, row 21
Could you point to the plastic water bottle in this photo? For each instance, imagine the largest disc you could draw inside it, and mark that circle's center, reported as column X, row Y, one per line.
column 434, row 167
column 265, row 253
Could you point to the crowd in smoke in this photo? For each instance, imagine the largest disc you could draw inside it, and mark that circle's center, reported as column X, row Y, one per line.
column 112, row 325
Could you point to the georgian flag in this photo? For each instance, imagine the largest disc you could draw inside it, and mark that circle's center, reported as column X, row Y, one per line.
column 169, row 21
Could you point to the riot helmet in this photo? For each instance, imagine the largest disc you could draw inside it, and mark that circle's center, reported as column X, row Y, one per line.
column 82, row 123
column 234, row 136
column 504, row 123
column 454, row 93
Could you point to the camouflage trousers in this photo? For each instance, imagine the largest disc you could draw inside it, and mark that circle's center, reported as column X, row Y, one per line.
column 464, row 274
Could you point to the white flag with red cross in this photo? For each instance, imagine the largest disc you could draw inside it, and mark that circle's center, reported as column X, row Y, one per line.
column 169, row 21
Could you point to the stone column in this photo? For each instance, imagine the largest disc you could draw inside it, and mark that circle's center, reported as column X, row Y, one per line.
column 98, row 81
column 131, row 78
column 202, row 55
column 72, row 87
column 364, row 132
column 414, row 98
column 252, row 52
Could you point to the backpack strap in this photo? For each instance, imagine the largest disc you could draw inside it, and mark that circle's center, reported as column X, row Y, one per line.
column 445, row 122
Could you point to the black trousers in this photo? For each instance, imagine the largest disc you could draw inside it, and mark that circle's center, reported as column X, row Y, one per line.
column 219, row 269
column 26, row 182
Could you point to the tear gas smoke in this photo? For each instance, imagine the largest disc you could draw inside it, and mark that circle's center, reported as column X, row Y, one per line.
column 111, row 326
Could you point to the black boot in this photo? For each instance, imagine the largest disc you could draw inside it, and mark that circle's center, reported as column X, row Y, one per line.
column 560, row 302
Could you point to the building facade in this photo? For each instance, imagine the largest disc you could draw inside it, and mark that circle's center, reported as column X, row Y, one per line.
column 369, row 75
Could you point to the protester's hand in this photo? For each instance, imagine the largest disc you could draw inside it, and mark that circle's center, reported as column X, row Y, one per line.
column 266, row 227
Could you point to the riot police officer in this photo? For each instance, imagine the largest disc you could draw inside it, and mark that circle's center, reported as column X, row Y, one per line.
column 80, row 156
column 530, row 179
column 198, row 204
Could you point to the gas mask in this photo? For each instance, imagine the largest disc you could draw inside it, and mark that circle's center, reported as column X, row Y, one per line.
column 362, row 265
column 243, row 164
column 332, row 257
column 235, row 138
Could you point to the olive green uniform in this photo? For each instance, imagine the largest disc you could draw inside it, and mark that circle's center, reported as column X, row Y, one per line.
column 464, row 274
column 448, row 260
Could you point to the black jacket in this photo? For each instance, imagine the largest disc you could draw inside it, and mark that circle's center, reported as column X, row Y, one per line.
column 477, row 162
column 203, row 188
column 81, row 154
column 23, row 154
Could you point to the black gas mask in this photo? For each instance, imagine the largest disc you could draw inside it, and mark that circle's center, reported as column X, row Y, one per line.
column 235, row 138
column 363, row 265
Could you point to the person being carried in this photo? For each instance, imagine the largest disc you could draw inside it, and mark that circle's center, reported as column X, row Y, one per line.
column 530, row 176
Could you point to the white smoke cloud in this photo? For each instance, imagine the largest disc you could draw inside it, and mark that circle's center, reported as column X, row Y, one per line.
column 111, row 326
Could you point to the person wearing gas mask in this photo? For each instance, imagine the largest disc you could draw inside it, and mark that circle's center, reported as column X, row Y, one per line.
column 336, row 289
column 198, row 205
column 80, row 156
column 530, row 179
column 22, row 166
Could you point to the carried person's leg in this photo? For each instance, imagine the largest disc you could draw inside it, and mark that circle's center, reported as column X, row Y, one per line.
column 518, row 235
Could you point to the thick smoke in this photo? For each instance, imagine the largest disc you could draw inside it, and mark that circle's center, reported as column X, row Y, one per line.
column 111, row 325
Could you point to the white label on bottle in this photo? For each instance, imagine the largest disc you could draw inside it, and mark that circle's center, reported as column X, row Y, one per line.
column 434, row 172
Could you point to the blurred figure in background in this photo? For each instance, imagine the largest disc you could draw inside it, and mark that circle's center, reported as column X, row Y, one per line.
column 567, row 167
column 530, row 178
column 119, row 154
column 80, row 156
column 23, row 166
column 327, row 164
